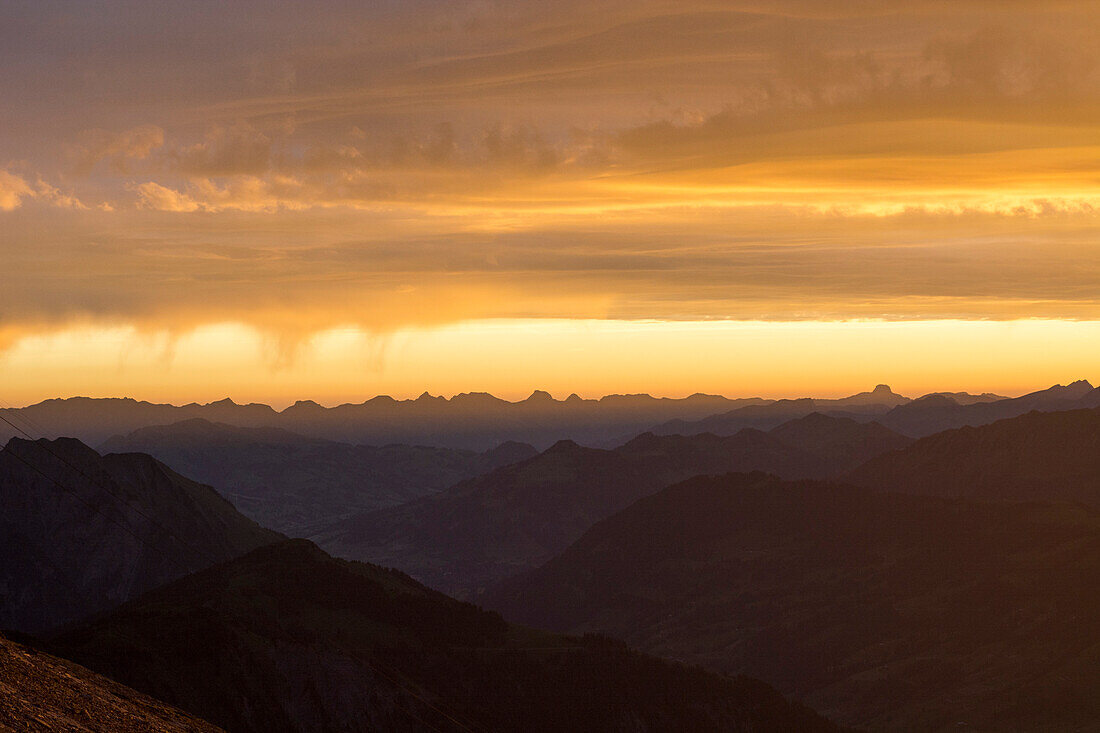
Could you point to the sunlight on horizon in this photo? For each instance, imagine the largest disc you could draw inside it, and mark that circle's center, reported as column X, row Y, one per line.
column 511, row 358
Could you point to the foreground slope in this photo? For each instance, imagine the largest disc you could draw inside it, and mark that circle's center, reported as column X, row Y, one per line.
column 890, row 611
column 295, row 484
column 289, row 639
column 44, row 693
column 1048, row 456
column 519, row 516
column 81, row 532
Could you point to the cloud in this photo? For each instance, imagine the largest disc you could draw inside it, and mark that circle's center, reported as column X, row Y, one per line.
column 12, row 191
column 236, row 149
column 119, row 149
column 425, row 162
column 154, row 196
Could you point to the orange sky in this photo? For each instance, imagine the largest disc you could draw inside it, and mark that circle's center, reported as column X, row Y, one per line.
column 274, row 200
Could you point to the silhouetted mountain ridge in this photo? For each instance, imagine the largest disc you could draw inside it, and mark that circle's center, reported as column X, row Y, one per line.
column 1039, row 456
column 519, row 516
column 882, row 610
column 936, row 413
column 121, row 524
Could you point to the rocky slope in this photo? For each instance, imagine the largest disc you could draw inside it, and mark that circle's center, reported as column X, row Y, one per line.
column 40, row 693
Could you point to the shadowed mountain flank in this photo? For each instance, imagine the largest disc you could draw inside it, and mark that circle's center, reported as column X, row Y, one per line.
column 81, row 532
column 1044, row 456
column 882, row 610
column 515, row 518
column 520, row 516
column 840, row 442
column 289, row 639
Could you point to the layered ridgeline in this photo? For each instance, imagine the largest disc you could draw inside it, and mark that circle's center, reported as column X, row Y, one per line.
column 479, row 421
column 474, row 421
column 936, row 413
column 289, row 639
column 917, row 418
column 1044, row 456
column 44, row 694
column 519, row 516
column 882, row 610
column 298, row 485
column 81, row 533
column 765, row 416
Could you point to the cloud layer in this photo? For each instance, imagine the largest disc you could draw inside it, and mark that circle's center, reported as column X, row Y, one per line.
column 389, row 164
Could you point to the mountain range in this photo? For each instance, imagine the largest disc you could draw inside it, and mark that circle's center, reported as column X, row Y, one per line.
column 884, row 611
column 950, row 582
column 516, row 517
column 923, row 416
column 479, row 421
column 299, row 485
column 936, row 413
column 473, row 421
column 81, row 533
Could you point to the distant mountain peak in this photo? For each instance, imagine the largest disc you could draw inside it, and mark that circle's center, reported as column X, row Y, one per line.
column 562, row 446
column 540, row 396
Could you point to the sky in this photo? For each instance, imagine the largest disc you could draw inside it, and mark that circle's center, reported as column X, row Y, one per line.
column 332, row 200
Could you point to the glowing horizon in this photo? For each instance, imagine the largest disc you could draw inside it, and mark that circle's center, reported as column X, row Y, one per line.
column 510, row 359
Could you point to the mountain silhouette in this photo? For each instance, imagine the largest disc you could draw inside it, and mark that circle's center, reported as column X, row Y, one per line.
column 81, row 532
column 1045, row 456
column 936, row 413
column 767, row 416
column 840, row 442
column 474, row 421
column 42, row 693
column 884, row 611
column 288, row 639
column 519, row 516
column 298, row 485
